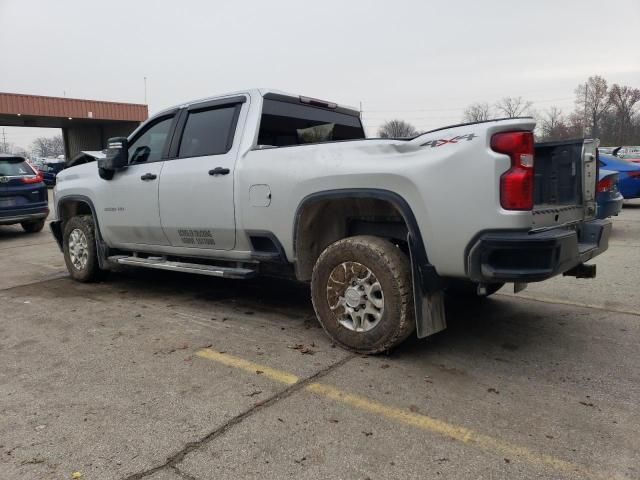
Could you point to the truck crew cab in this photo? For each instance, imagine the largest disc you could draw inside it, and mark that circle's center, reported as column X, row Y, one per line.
column 261, row 181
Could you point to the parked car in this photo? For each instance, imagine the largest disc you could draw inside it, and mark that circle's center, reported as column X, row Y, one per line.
column 23, row 194
column 631, row 157
column 630, row 154
column 629, row 174
column 261, row 181
column 50, row 170
column 38, row 163
column 608, row 196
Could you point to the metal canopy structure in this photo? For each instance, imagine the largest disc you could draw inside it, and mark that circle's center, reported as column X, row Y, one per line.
column 85, row 124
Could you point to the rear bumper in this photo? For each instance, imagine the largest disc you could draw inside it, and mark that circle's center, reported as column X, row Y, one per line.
column 516, row 256
column 610, row 206
column 9, row 217
column 629, row 186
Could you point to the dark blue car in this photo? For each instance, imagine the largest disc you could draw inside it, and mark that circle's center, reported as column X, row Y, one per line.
column 49, row 171
column 23, row 194
column 629, row 174
column 608, row 196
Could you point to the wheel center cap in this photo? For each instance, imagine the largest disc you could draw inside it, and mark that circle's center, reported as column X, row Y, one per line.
column 352, row 297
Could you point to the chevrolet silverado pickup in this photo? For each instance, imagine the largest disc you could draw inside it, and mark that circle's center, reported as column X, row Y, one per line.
column 264, row 182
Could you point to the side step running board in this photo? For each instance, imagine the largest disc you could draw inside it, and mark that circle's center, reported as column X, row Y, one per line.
column 163, row 264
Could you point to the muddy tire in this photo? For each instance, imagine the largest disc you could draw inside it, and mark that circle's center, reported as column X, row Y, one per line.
column 362, row 294
column 79, row 246
column 33, row 227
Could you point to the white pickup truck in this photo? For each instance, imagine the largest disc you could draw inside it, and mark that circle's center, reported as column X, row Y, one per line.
column 263, row 182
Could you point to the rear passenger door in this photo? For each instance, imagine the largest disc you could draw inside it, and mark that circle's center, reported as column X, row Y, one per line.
column 196, row 186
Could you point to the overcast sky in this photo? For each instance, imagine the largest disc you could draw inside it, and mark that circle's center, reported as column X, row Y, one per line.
column 422, row 61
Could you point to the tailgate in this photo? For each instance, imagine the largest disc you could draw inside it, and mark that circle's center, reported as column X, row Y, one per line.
column 565, row 183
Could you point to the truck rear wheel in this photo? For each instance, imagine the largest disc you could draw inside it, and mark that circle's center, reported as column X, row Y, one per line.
column 362, row 294
column 80, row 253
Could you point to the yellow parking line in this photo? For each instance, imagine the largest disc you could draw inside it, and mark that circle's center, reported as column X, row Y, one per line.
column 423, row 422
column 454, row 432
column 247, row 366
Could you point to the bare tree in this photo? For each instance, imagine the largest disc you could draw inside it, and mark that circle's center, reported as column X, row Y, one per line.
column 397, row 129
column 21, row 152
column 57, row 145
column 477, row 112
column 512, row 107
column 553, row 125
column 48, row 146
column 592, row 99
column 623, row 99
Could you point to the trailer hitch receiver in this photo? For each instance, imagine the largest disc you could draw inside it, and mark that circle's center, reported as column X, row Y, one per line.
column 581, row 271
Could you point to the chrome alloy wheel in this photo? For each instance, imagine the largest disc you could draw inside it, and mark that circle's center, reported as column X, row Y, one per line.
column 78, row 249
column 355, row 296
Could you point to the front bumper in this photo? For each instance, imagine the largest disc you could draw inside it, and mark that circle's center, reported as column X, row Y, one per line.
column 517, row 256
column 10, row 217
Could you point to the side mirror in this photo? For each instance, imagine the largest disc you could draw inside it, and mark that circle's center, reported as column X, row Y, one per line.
column 117, row 154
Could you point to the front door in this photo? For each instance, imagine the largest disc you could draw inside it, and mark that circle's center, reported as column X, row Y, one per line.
column 196, row 188
column 129, row 201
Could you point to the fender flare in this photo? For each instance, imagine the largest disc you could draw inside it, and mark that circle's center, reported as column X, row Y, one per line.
column 56, row 227
column 427, row 284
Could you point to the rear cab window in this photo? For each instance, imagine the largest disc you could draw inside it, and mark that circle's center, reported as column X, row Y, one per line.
column 291, row 121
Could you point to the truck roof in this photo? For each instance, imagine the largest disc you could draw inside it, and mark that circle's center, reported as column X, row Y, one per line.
column 262, row 92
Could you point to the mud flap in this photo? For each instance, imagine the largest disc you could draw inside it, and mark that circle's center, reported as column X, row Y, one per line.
column 428, row 296
column 56, row 231
column 430, row 317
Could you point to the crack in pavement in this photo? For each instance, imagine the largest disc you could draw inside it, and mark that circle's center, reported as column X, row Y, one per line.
column 189, row 447
column 182, row 474
column 23, row 245
column 50, row 277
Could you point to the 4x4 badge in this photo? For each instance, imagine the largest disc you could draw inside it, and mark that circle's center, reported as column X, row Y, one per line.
column 445, row 141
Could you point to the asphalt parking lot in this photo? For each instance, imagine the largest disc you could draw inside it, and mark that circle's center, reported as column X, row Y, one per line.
column 167, row 376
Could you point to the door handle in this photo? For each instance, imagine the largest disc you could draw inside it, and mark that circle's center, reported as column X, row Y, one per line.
column 219, row 171
column 148, row 176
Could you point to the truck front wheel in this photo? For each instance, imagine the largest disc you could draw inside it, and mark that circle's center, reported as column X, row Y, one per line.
column 80, row 253
column 362, row 294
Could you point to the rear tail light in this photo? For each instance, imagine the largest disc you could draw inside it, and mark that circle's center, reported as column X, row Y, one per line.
column 516, row 184
column 605, row 185
column 33, row 178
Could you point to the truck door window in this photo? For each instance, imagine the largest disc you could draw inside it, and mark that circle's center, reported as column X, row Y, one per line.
column 283, row 124
column 209, row 131
column 148, row 146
